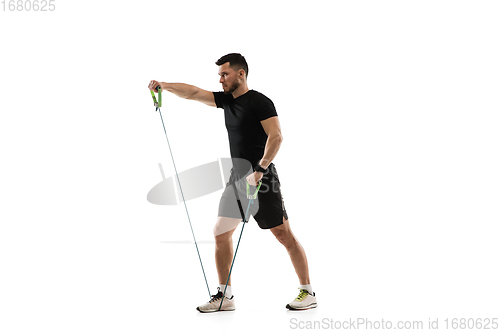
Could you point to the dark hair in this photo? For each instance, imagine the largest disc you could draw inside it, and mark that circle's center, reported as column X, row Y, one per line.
column 236, row 61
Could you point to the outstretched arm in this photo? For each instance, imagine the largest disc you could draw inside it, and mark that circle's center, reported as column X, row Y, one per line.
column 186, row 91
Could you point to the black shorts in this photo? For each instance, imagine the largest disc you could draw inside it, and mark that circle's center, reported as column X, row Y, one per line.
column 268, row 210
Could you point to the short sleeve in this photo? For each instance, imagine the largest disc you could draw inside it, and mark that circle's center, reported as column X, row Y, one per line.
column 219, row 99
column 264, row 108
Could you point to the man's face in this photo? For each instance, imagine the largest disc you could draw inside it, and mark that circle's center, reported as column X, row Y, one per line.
column 228, row 78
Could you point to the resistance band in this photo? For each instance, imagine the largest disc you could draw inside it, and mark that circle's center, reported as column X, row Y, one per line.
column 158, row 106
column 251, row 197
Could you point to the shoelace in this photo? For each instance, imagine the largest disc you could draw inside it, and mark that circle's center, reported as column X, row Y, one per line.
column 303, row 294
column 216, row 297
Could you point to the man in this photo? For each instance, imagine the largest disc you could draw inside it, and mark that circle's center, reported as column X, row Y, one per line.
column 255, row 138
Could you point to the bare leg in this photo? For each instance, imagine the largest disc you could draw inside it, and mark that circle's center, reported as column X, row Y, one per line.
column 296, row 252
column 223, row 233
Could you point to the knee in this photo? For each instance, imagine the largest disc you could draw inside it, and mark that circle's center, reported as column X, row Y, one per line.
column 222, row 239
column 222, row 235
column 286, row 238
column 224, row 229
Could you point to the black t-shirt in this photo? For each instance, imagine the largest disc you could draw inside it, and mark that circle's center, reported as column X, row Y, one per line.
column 247, row 138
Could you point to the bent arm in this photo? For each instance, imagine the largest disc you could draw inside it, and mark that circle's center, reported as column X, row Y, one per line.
column 274, row 138
column 188, row 91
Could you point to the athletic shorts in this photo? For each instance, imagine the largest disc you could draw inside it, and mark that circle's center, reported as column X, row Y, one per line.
column 268, row 209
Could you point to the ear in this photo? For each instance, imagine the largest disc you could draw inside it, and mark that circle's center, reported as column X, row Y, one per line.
column 241, row 73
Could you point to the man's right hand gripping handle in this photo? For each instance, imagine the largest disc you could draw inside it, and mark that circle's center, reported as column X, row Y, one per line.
column 185, row 91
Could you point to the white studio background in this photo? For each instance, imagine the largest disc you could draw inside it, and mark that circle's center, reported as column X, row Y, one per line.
column 389, row 165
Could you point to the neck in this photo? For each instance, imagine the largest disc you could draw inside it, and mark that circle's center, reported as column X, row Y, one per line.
column 242, row 89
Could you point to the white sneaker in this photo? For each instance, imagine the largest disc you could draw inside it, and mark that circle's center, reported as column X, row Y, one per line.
column 214, row 304
column 304, row 301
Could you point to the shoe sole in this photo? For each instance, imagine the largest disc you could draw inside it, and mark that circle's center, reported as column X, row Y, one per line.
column 312, row 306
column 210, row 311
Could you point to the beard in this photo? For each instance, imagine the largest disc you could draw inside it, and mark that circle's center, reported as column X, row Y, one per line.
column 231, row 88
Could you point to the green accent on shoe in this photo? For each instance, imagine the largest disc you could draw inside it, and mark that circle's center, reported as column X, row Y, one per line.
column 303, row 294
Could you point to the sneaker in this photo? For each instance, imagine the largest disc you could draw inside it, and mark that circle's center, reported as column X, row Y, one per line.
column 304, row 301
column 214, row 303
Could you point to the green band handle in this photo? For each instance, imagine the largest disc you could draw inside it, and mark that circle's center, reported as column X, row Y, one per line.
column 157, row 102
column 253, row 196
column 159, row 96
